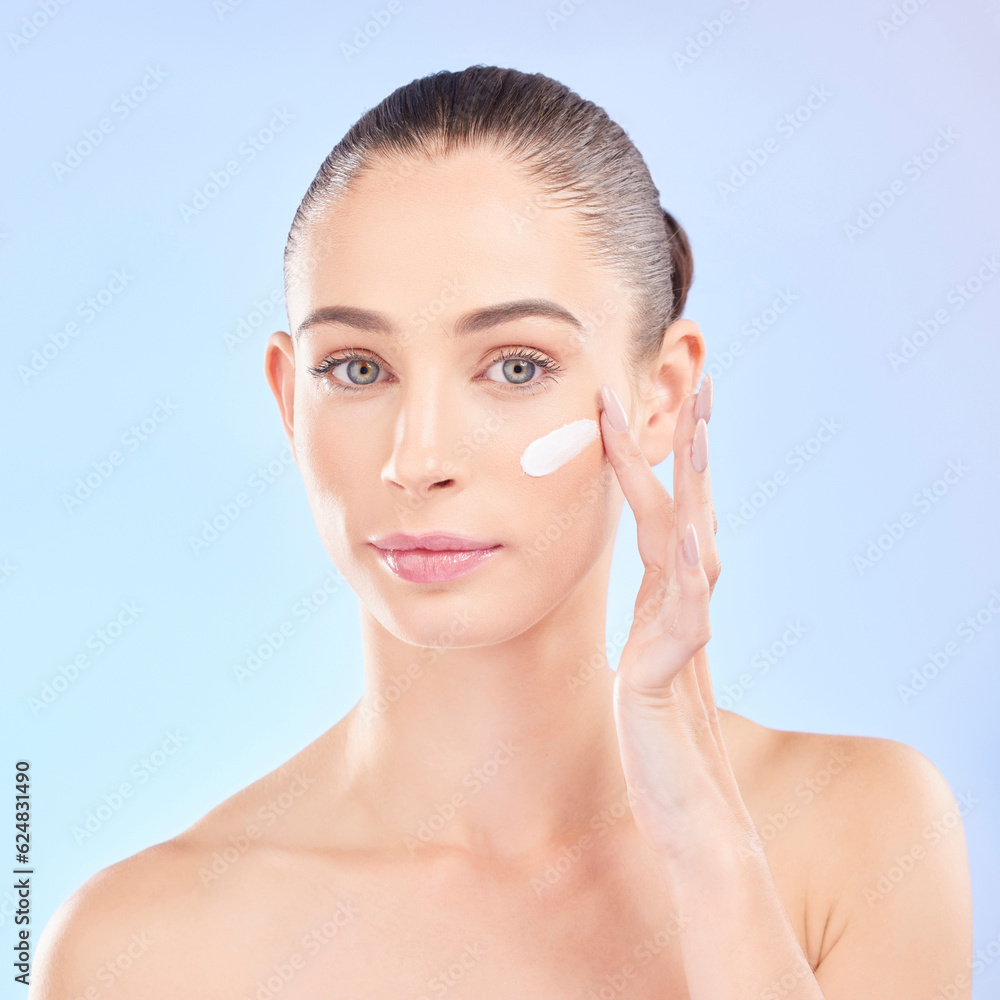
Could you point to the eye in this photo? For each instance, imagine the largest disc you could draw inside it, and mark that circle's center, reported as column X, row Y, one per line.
column 517, row 367
column 352, row 370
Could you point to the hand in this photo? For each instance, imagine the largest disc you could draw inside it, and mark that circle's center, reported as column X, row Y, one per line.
column 675, row 762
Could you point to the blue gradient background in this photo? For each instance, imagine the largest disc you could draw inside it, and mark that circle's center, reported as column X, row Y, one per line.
column 195, row 280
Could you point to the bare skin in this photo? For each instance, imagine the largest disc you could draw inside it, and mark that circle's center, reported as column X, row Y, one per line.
column 480, row 833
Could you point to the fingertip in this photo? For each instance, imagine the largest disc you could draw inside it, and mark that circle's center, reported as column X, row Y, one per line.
column 690, row 546
column 703, row 406
column 614, row 410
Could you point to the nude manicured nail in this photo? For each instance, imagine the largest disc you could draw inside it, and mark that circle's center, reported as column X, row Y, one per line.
column 703, row 404
column 614, row 409
column 699, row 447
column 691, row 552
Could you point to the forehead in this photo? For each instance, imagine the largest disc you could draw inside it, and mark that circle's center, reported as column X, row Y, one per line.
column 406, row 231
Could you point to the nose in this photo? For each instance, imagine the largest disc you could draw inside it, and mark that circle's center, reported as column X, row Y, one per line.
column 424, row 457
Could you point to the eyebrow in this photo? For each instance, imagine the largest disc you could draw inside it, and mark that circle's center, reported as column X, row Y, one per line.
column 469, row 323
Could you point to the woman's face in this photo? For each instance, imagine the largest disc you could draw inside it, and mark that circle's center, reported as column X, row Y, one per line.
column 414, row 417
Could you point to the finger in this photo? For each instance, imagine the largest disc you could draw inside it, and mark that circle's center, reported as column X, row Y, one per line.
column 703, row 409
column 694, row 502
column 680, row 629
column 703, row 676
column 651, row 504
column 692, row 480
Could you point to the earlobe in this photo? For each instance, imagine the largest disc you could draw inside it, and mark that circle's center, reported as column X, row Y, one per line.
column 279, row 370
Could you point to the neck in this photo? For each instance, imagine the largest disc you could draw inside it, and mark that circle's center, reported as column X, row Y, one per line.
column 506, row 750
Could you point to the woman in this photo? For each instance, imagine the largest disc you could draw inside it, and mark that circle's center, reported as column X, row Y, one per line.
column 485, row 358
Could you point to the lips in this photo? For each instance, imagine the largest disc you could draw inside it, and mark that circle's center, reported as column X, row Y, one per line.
column 435, row 557
column 433, row 541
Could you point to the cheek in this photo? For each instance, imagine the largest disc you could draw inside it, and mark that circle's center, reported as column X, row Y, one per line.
column 331, row 460
column 572, row 511
column 552, row 451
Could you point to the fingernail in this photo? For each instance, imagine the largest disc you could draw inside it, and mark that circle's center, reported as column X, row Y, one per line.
column 699, row 447
column 703, row 404
column 614, row 409
column 691, row 552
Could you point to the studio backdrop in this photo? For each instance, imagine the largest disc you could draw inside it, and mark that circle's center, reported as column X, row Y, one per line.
column 172, row 627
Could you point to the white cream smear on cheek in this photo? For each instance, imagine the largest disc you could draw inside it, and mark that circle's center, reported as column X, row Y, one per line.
column 555, row 449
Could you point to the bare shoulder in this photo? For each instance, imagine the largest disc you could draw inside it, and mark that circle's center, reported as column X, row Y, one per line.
column 861, row 790
column 109, row 932
column 136, row 926
column 887, row 781
column 869, row 825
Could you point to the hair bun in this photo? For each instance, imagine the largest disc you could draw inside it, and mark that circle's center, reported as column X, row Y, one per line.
column 681, row 261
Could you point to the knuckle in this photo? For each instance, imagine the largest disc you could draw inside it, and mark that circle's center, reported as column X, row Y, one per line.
column 713, row 568
column 700, row 635
column 632, row 453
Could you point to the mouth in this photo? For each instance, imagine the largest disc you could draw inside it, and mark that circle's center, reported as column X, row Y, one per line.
column 435, row 557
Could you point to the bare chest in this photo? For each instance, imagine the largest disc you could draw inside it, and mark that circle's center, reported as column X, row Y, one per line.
column 598, row 927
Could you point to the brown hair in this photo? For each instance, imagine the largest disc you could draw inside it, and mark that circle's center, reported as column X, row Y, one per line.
column 568, row 147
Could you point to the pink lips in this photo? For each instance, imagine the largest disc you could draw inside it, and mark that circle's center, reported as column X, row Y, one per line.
column 435, row 557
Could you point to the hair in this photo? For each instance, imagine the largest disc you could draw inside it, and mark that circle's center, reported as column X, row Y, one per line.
column 568, row 147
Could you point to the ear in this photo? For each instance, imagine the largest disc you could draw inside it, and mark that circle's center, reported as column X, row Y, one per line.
column 279, row 370
column 671, row 378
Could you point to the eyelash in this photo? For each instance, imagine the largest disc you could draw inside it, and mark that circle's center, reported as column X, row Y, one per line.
column 553, row 370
